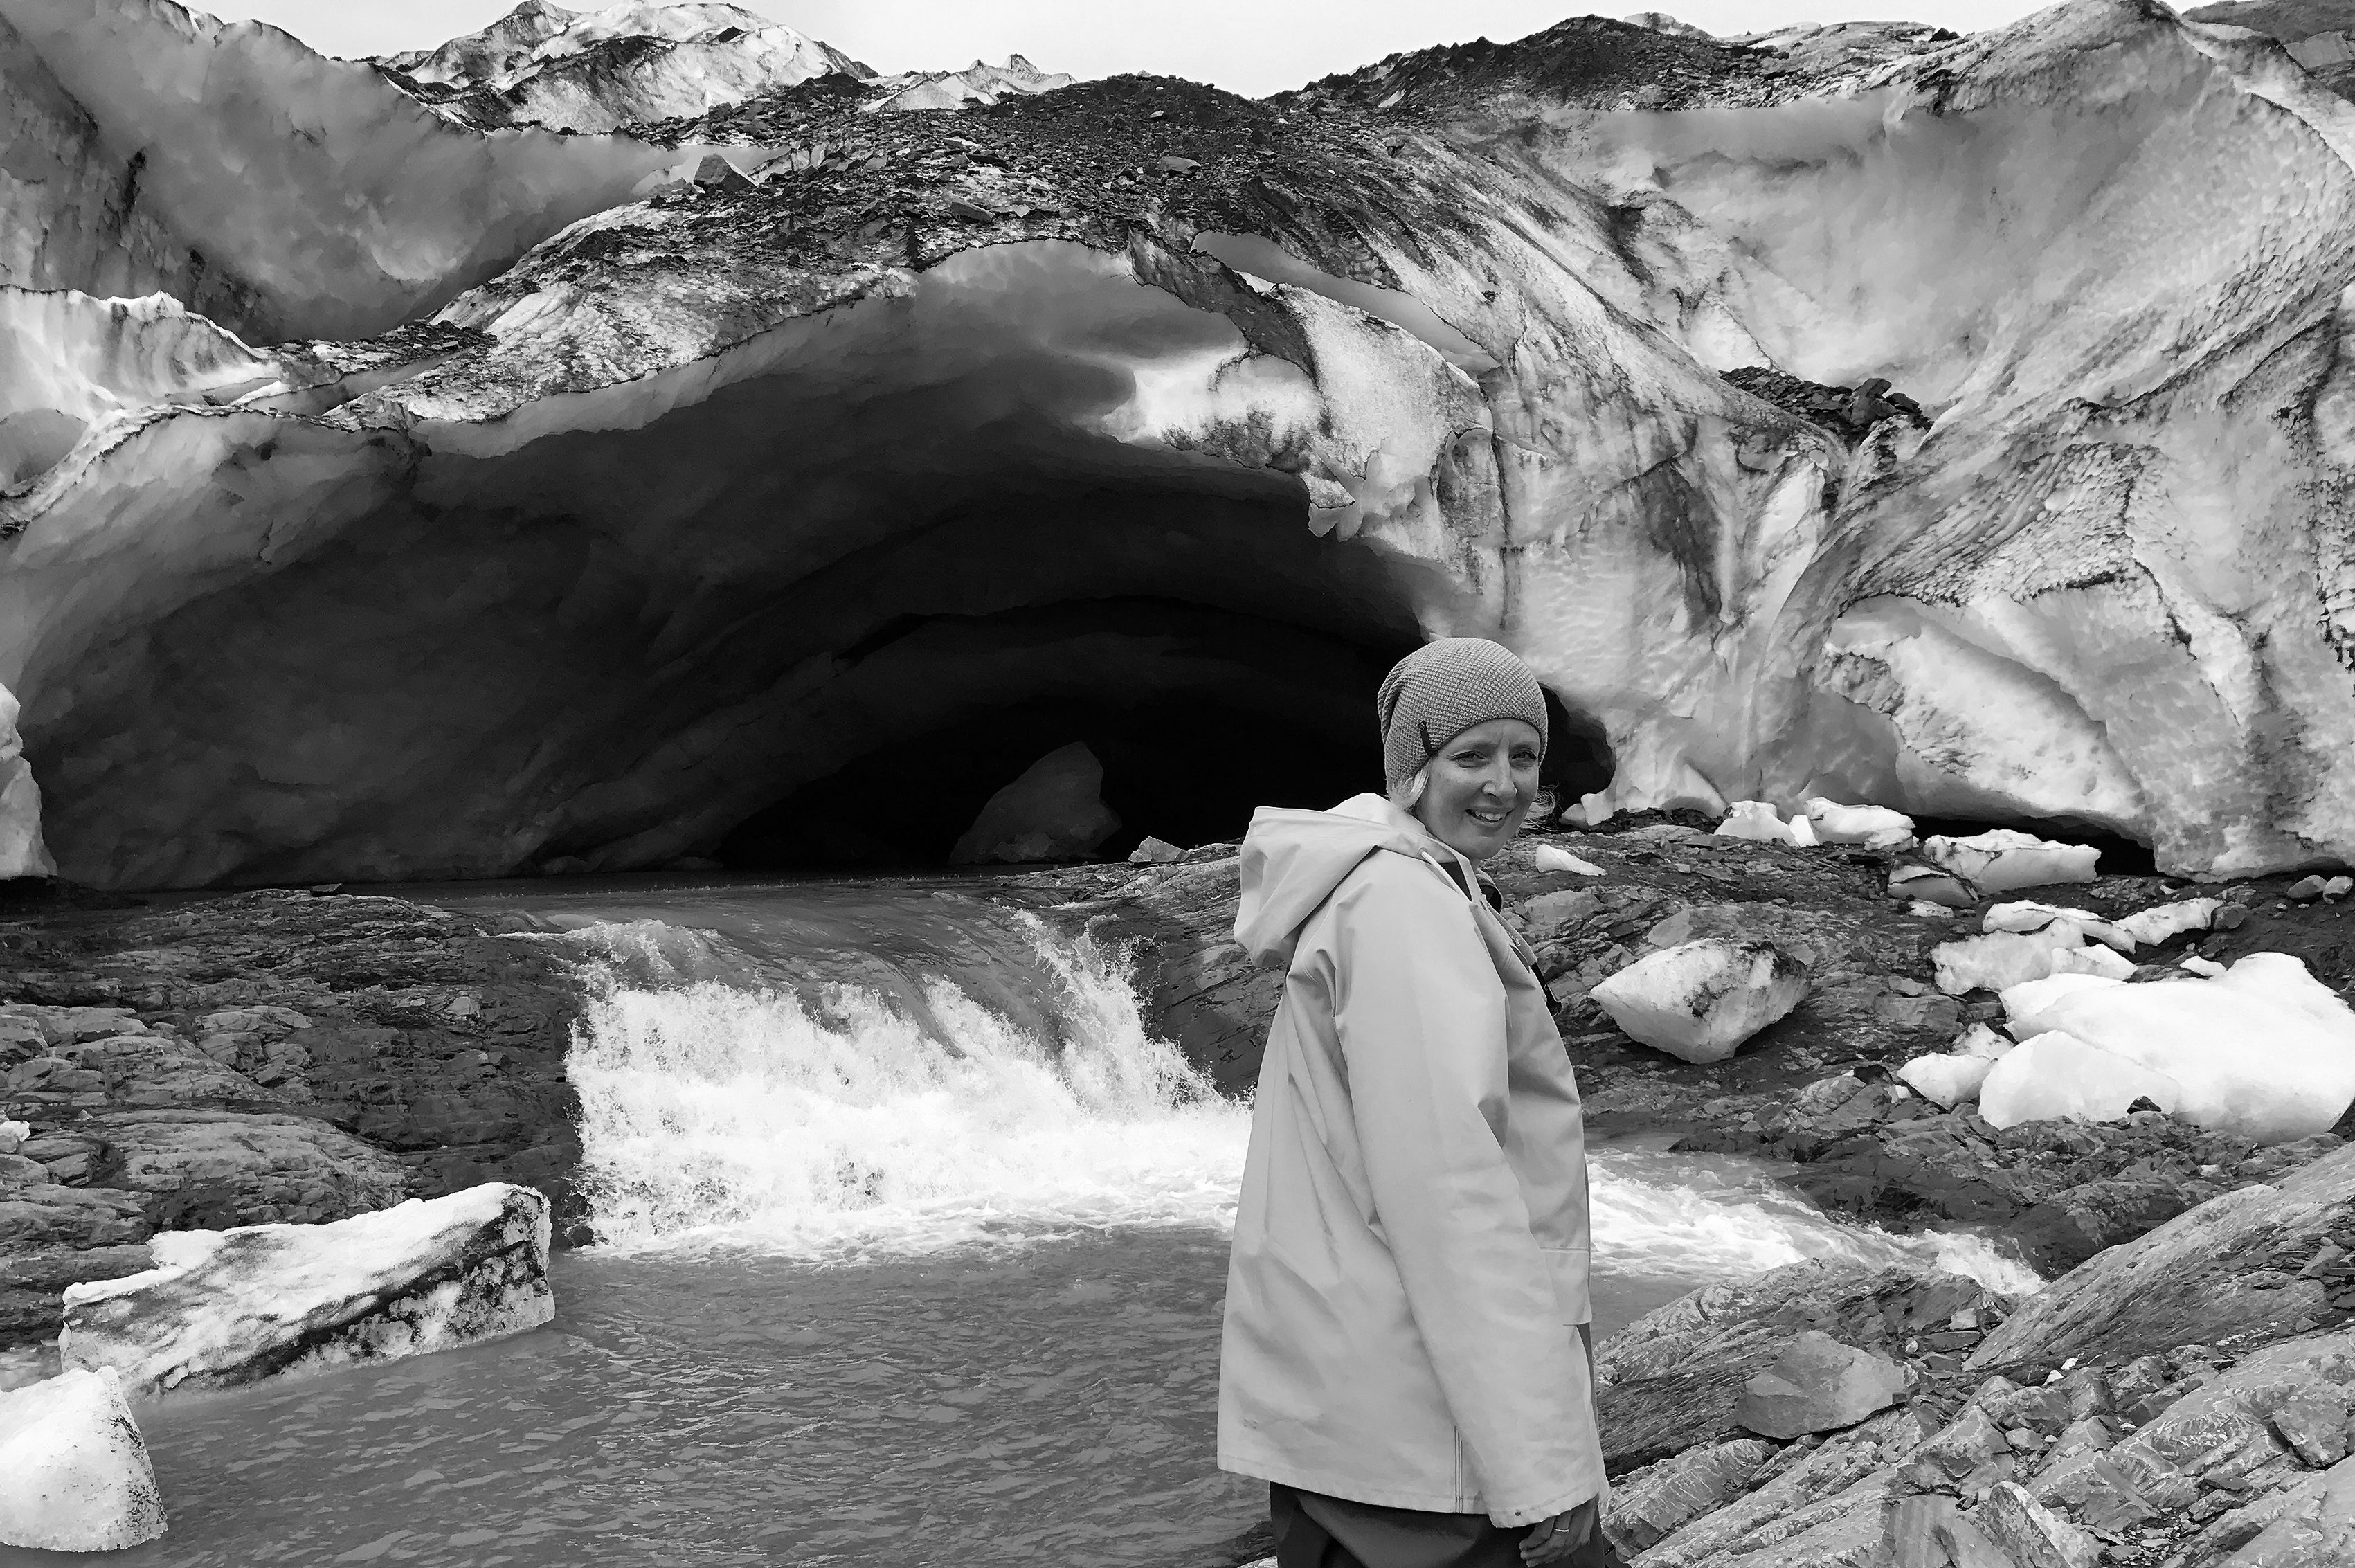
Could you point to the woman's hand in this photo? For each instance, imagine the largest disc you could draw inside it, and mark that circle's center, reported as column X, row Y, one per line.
column 1553, row 1539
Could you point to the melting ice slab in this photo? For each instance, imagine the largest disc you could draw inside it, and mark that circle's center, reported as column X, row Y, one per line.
column 74, row 1475
column 231, row 1307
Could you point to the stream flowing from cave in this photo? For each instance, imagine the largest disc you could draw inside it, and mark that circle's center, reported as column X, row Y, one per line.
column 912, row 1246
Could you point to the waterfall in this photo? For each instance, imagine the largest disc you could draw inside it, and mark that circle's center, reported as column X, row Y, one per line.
column 836, row 1121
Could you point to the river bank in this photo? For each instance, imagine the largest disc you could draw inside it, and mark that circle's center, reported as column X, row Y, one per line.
column 302, row 1055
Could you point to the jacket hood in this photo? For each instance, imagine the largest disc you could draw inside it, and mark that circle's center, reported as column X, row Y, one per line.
column 1292, row 860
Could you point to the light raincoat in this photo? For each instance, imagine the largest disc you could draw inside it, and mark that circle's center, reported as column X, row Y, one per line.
column 1410, row 1246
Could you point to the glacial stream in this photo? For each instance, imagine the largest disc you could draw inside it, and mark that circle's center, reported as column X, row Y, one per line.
column 914, row 1250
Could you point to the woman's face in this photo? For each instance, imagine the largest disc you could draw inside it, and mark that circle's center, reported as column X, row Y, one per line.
column 1478, row 788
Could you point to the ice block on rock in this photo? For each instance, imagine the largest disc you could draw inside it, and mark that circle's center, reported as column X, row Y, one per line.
column 1700, row 1000
column 2002, row 959
column 1948, row 1078
column 2055, row 1076
column 2002, row 860
column 1874, row 826
column 1755, row 820
column 2263, row 1050
column 74, row 1474
column 2026, row 1006
column 232, row 1307
column 2160, row 922
column 2029, row 917
column 1555, row 857
column 1927, row 884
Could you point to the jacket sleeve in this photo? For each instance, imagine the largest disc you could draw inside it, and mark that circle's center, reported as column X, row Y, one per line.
column 1420, row 1016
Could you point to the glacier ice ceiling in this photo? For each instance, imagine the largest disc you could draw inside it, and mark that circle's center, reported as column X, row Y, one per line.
column 777, row 461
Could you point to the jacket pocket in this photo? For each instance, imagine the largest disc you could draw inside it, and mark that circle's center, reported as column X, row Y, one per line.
column 1569, row 1266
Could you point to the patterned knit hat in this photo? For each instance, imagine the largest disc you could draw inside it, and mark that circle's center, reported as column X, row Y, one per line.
column 1441, row 689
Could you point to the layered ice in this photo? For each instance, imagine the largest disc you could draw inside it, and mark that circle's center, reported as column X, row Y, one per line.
column 2056, row 1076
column 1036, row 425
column 224, row 1307
column 74, row 1473
column 2263, row 1050
column 1700, row 1000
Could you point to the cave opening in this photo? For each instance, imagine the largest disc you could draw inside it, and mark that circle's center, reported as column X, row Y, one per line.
column 1280, row 716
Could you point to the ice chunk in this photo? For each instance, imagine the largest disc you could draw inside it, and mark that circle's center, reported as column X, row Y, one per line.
column 13, row 1135
column 1980, row 1041
column 1755, row 820
column 2206, row 968
column 2263, row 1050
column 1875, row 825
column 2026, row 917
column 1927, row 884
column 74, row 1475
column 1700, row 1000
column 2160, row 922
column 1803, row 833
column 2056, row 1075
column 2000, row 960
column 1555, row 857
column 1055, row 811
column 2002, row 860
column 230, row 1306
column 2026, row 1005
column 1948, row 1078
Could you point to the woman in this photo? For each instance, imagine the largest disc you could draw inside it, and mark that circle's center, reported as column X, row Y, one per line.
column 1407, row 1297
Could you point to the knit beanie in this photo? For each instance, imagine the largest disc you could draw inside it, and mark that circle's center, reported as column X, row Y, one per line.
column 1441, row 689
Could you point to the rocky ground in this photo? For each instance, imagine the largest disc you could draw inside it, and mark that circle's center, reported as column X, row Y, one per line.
column 200, row 1061
column 194, row 1063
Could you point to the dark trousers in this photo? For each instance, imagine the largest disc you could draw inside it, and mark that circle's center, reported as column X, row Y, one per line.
column 1312, row 1530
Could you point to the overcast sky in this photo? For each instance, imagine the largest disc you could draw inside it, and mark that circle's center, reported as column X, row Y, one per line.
column 1253, row 46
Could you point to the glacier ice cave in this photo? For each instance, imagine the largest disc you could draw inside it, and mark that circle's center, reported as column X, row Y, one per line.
column 383, row 496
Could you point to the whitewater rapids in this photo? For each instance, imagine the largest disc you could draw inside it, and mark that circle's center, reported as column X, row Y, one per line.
column 834, row 1124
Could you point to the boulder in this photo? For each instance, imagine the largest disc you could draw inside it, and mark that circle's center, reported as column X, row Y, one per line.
column 74, row 1473
column 1819, row 1385
column 1874, row 826
column 1673, row 1378
column 1054, row 811
column 1700, row 1000
column 2252, row 1262
column 2055, row 1075
column 232, row 1307
column 2306, row 889
column 2002, row 860
column 1154, row 852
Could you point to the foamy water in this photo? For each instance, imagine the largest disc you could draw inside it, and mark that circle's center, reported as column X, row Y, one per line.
column 836, row 1125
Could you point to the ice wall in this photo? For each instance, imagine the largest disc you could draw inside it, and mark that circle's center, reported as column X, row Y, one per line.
column 709, row 494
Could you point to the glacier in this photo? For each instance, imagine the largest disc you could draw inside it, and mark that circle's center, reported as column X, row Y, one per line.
column 506, row 498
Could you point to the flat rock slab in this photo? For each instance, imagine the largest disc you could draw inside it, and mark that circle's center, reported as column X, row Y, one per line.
column 232, row 1307
column 2252, row 1262
column 1673, row 1378
column 74, row 1473
column 1819, row 1384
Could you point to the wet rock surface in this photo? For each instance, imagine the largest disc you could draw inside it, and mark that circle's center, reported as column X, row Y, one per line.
column 260, row 1057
